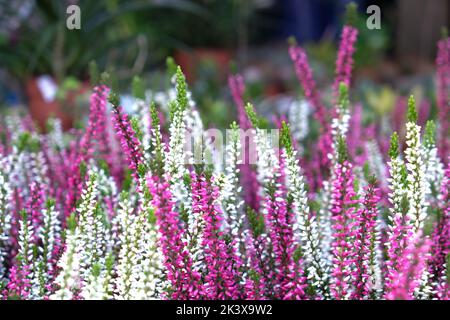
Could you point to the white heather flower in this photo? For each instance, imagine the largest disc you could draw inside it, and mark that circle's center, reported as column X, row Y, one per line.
column 339, row 128
column 298, row 114
column 397, row 187
column 417, row 185
column 88, row 240
column 25, row 241
column 98, row 285
column 129, row 246
column 56, row 135
column 375, row 160
column 5, row 219
column 38, row 168
column 48, row 233
column 305, row 227
column 434, row 168
column 434, row 172
column 375, row 261
column 150, row 283
column 176, row 160
column 149, row 270
column 38, row 279
column 230, row 194
column 267, row 163
column 68, row 279
column 424, row 290
column 142, row 110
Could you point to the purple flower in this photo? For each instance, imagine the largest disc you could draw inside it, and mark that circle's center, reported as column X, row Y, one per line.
column 128, row 140
column 344, row 62
column 222, row 264
column 343, row 201
column 185, row 282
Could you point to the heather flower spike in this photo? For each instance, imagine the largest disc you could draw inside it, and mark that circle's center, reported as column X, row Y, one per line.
column 417, row 184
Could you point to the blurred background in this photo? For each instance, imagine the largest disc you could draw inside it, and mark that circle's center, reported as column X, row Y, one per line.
column 45, row 67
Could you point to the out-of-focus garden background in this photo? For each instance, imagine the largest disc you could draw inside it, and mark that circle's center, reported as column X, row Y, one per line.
column 44, row 65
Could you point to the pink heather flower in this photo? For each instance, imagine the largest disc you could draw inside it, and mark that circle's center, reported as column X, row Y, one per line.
column 365, row 243
column 237, row 87
column 343, row 201
column 19, row 282
column 440, row 246
column 34, row 207
column 398, row 240
column 344, row 62
column 412, row 264
column 424, row 112
column 324, row 144
column 355, row 144
column 321, row 157
column 443, row 102
column 248, row 175
column 185, row 281
column 398, row 117
column 287, row 272
column 305, row 76
column 255, row 284
column 222, row 264
column 128, row 140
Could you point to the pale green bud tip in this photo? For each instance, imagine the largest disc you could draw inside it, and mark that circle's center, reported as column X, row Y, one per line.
column 393, row 149
column 286, row 136
column 412, row 112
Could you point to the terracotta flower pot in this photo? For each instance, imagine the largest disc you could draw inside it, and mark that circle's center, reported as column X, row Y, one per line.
column 190, row 60
column 41, row 110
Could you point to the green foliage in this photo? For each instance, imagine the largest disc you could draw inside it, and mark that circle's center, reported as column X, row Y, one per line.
column 291, row 41
column 372, row 180
column 26, row 142
column 366, row 170
column 342, row 151
column 157, row 165
column 256, row 222
column 142, row 170
column 393, row 149
column 94, row 75
column 182, row 100
column 109, row 79
column 50, row 203
column 127, row 180
column 72, row 222
column 135, row 125
column 138, row 88
column 114, row 99
column 429, row 136
column 448, row 268
column 286, row 137
column 83, row 169
column 351, row 14
column 343, row 96
column 171, row 67
column 412, row 112
column 255, row 121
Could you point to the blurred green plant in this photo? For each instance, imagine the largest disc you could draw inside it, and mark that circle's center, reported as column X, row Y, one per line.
column 42, row 44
